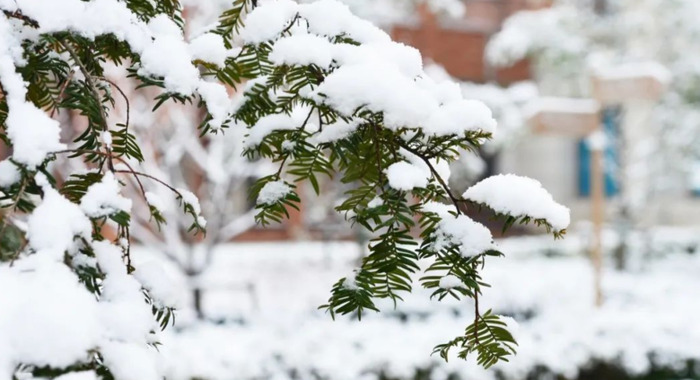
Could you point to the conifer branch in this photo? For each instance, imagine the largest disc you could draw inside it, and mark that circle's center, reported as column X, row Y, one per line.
column 96, row 94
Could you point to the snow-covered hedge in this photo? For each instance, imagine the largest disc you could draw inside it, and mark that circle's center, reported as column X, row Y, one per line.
column 263, row 323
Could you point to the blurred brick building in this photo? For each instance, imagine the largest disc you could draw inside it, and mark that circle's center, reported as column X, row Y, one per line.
column 459, row 45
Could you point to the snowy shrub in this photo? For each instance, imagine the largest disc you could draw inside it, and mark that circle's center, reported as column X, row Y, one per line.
column 318, row 91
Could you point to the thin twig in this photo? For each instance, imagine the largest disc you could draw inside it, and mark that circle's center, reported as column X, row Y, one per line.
column 62, row 90
column 87, row 151
column 18, row 15
column 291, row 24
column 126, row 100
column 477, row 315
column 131, row 171
column 301, row 128
column 377, row 148
column 96, row 94
column 456, row 201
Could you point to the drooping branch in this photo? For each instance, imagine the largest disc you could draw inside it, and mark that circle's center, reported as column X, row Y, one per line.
column 126, row 101
column 135, row 173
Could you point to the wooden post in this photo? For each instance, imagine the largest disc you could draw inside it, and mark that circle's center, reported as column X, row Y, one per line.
column 598, row 218
column 580, row 118
column 636, row 86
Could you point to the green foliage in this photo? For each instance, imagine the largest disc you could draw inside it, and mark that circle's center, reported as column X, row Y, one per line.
column 11, row 241
column 510, row 220
column 231, row 21
column 351, row 298
column 276, row 211
column 308, row 161
column 488, row 337
column 65, row 71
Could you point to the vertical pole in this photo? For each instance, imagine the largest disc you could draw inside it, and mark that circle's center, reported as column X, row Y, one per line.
column 597, row 216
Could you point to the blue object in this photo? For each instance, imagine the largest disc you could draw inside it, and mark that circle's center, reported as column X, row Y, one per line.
column 611, row 128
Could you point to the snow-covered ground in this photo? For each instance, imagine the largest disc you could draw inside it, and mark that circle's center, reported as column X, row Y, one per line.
column 263, row 299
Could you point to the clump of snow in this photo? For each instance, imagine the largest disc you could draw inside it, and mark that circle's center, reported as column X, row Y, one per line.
column 302, row 49
column 48, row 318
column 9, row 173
column 209, row 47
column 82, row 260
column 125, row 314
column 471, row 237
column 406, row 59
column 217, row 100
column 51, row 235
column 450, row 282
column 158, row 283
column 436, row 80
column 275, row 122
column 273, row 192
column 380, row 88
column 288, row 146
column 109, row 257
column 103, row 198
column 519, row 196
column 129, row 361
column 441, row 209
column 406, row 176
column 335, row 131
column 459, row 116
column 162, row 25
column 156, row 202
column 168, row 55
column 33, row 134
column 350, row 282
column 191, row 200
column 333, row 18
column 507, row 104
column 268, row 20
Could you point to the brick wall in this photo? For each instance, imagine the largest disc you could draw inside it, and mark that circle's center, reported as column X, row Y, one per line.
column 459, row 45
